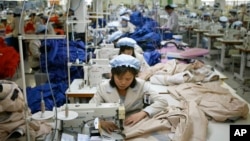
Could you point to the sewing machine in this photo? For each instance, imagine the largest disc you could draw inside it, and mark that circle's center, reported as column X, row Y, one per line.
column 214, row 28
column 94, row 71
column 107, row 52
column 87, row 114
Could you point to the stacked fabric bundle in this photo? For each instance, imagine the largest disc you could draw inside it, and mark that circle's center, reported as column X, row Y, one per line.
column 12, row 114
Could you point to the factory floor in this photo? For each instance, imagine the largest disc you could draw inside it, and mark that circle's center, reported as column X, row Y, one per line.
column 242, row 90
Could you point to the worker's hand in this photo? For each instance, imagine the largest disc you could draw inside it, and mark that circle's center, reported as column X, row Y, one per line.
column 108, row 126
column 133, row 119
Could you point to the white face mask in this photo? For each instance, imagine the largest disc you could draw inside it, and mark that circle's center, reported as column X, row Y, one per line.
column 124, row 24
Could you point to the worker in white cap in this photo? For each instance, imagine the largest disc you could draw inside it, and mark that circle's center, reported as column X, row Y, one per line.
column 125, row 25
column 242, row 30
column 115, row 36
column 223, row 21
column 125, row 88
column 34, row 49
column 172, row 23
column 128, row 46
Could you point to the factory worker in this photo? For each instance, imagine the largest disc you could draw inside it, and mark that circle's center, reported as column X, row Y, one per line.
column 223, row 21
column 217, row 11
column 125, row 25
column 113, row 38
column 242, row 30
column 232, row 17
column 206, row 17
column 127, row 46
column 34, row 49
column 172, row 23
column 48, row 25
column 125, row 88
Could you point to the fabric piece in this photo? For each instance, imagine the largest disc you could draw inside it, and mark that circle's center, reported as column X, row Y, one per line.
column 186, row 123
column 12, row 115
column 215, row 101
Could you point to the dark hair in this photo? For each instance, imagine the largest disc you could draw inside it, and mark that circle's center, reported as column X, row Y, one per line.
column 121, row 70
column 123, row 48
column 168, row 7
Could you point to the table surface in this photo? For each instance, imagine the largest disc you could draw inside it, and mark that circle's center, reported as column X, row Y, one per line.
column 217, row 131
column 213, row 34
column 229, row 41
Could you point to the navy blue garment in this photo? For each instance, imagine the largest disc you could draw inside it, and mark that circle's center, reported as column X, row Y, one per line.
column 34, row 96
column 136, row 18
column 57, row 59
column 149, row 42
column 101, row 22
column 152, row 57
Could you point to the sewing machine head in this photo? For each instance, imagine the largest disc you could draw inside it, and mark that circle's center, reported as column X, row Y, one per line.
column 96, row 73
column 215, row 28
column 89, row 111
column 107, row 53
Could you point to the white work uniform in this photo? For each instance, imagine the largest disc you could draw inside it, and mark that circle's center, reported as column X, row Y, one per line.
column 133, row 101
column 144, row 64
column 172, row 23
column 128, row 29
column 34, row 53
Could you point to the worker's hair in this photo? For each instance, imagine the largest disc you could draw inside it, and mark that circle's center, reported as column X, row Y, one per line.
column 123, row 48
column 168, row 7
column 121, row 70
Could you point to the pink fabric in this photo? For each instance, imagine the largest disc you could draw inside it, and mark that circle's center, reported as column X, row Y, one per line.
column 194, row 52
column 187, row 52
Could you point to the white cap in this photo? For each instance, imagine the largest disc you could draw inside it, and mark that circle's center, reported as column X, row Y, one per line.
column 223, row 19
column 126, row 18
column 126, row 42
column 125, row 60
column 237, row 23
column 114, row 36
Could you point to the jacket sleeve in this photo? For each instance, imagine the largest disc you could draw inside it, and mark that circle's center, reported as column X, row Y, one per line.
column 97, row 98
column 158, row 102
column 34, row 49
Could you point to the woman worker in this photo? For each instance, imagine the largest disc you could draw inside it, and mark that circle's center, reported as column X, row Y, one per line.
column 129, row 90
column 128, row 46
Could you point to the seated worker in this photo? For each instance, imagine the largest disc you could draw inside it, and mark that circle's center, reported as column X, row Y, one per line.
column 223, row 21
column 126, row 26
column 172, row 23
column 124, row 87
column 242, row 30
column 127, row 46
column 114, row 37
column 34, row 49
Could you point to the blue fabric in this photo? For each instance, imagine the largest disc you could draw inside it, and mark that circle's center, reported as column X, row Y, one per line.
column 152, row 57
column 136, row 18
column 57, row 59
column 149, row 42
column 34, row 96
column 101, row 22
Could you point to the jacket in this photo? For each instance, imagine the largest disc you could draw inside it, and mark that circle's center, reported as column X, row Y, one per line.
column 134, row 98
